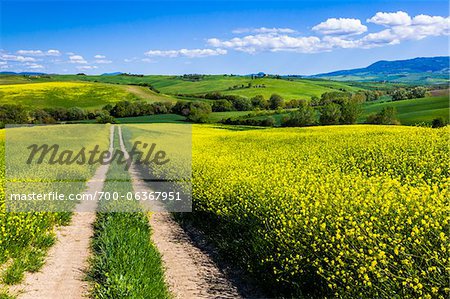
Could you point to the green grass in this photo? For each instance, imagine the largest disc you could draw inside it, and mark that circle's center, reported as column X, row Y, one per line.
column 218, row 116
column 4, row 294
column 125, row 263
column 414, row 111
column 144, row 93
column 10, row 79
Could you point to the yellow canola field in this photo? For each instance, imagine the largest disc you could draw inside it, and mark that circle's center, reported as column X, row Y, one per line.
column 359, row 211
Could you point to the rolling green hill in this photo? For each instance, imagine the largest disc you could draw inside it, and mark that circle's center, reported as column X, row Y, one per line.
column 93, row 92
column 414, row 111
column 173, row 85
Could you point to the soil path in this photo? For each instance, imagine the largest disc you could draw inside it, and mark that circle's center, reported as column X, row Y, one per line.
column 190, row 272
column 63, row 275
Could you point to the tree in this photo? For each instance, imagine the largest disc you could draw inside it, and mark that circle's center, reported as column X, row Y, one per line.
column 304, row 116
column 334, row 97
column 40, row 116
column 213, row 95
column 199, row 112
column 268, row 122
column 75, row 113
column 242, row 104
column 399, row 94
column 350, row 111
column 13, row 114
column 372, row 95
column 330, row 114
column 359, row 97
column 387, row 116
column 122, row 109
column 260, row 102
column 438, row 123
column 222, row 105
column 108, row 107
column 275, row 102
column 180, row 108
column 105, row 118
column 294, row 103
column 315, row 101
column 418, row 92
column 161, row 108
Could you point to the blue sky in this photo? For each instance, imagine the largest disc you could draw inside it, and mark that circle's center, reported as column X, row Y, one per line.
column 214, row 37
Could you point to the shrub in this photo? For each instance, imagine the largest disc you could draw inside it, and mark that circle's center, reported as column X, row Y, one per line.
column 387, row 116
column 438, row 123
column 104, row 118
column 40, row 116
column 75, row 113
column 199, row 112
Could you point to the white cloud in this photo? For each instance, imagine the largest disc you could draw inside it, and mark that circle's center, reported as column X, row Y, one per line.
column 190, row 53
column 30, row 52
column 87, row 67
column 340, row 34
column 416, row 28
column 77, row 59
column 17, row 58
column 99, row 56
column 330, row 42
column 263, row 30
column 148, row 60
column 391, row 18
column 34, row 66
column 341, row 26
column 267, row 42
column 3, row 63
column 103, row 61
column 53, row 53
column 39, row 52
column 428, row 20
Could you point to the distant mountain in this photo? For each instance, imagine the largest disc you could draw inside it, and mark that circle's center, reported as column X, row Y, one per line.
column 418, row 70
column 23, row 73
column 112, row 74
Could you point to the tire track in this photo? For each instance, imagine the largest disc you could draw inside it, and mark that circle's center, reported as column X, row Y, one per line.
column 63, row 274
column 190, row 272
